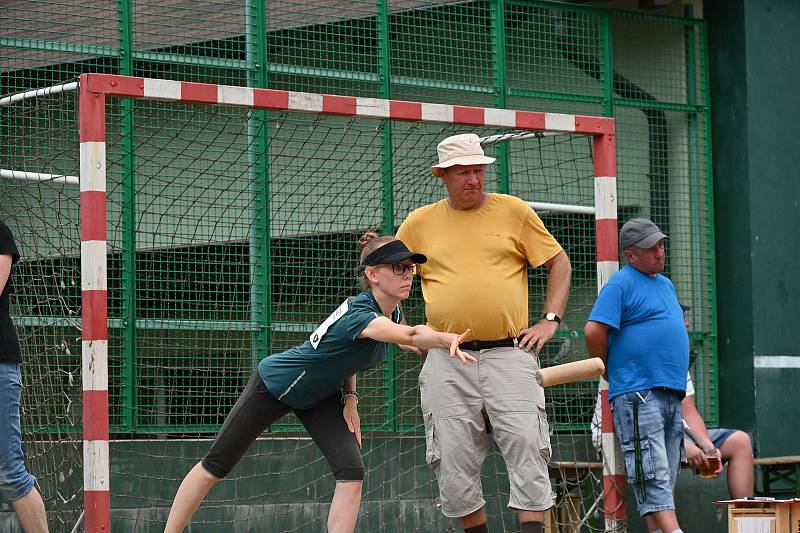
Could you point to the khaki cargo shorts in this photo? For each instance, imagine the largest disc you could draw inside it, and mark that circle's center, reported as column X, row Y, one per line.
column 454, row 399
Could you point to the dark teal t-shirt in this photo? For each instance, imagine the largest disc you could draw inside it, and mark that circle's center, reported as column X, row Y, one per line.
column 304, row 375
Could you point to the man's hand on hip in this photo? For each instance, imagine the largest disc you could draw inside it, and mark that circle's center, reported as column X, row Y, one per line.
column 532, row 339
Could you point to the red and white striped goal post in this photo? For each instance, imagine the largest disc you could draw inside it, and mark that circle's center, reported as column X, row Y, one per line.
column 94, row 89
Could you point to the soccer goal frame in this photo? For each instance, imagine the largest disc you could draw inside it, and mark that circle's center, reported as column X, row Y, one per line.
column 96, row 89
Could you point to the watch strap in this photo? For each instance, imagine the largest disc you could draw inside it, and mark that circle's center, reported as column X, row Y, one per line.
column 552, row 317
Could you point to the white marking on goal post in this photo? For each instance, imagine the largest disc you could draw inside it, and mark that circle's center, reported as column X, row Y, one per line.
column 93, row 266
column 559, row 122
column 162, row 89
column 93, row 166
column 372, row 107
column 94, row 357
column 305, row 102
column 605, row 197
column 605, row 269
column 228, row 94
column 437, row 112
column 500, row 117
column 95, row 454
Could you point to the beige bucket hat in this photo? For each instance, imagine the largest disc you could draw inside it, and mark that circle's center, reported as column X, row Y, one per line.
column 463, row 149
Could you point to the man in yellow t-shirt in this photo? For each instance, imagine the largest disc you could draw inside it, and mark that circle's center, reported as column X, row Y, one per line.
column 479, row 247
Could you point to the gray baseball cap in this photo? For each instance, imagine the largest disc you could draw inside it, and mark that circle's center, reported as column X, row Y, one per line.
column 640, row 232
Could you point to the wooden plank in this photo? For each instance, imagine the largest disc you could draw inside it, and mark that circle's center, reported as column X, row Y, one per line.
column 785, row 460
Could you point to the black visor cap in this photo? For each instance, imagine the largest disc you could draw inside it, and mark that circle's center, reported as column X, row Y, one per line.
column 392, row 252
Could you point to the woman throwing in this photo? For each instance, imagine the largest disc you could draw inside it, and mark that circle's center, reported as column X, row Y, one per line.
column 317, row 381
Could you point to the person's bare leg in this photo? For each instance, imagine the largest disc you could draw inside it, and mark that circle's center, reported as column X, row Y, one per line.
column 738, row 451
column 664, row 520
column 30, row 512
column 473, row 519
column 344, row 507
column 531, row 516
column 190, row 495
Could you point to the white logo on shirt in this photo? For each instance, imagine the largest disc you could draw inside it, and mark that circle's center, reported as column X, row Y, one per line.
column 320, row 332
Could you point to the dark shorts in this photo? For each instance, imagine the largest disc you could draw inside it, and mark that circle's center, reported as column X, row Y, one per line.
column 256, row 409
column 717, row 435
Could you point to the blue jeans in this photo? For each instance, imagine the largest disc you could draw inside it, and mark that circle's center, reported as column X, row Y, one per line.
column 650, row 432
column 15, row 481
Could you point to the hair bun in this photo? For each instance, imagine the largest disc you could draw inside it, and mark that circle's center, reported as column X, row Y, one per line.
column 368, row 236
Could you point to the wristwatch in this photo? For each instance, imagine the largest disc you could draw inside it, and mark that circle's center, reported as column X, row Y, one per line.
column 552, row 317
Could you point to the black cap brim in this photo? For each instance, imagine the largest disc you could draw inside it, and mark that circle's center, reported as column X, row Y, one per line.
column 402, row 256
column 393, row 252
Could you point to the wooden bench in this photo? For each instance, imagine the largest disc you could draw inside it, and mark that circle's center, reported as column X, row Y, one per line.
column 779, row 475
column 572, row 469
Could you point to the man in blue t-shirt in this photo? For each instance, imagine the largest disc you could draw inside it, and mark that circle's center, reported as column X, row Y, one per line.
column 637, row 328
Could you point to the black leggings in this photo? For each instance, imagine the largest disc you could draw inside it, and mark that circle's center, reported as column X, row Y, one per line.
column 256, row 409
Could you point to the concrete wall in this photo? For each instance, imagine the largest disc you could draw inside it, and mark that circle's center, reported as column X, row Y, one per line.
column 755, row 71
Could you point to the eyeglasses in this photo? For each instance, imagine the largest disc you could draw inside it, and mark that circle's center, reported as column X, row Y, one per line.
column 399, row 269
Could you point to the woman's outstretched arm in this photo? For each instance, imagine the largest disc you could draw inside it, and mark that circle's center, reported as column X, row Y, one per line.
column 422, row 337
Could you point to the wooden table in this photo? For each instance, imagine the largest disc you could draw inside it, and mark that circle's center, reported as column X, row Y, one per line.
column 766, row 515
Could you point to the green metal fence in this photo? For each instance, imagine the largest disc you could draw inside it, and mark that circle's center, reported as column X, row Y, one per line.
column 523, row 55
column 205, row 277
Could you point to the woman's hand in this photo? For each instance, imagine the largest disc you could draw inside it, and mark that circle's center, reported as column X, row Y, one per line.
column 350, row 413
column 455, row 351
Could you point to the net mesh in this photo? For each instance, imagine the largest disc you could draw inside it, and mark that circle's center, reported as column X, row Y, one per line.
column 231, row 234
